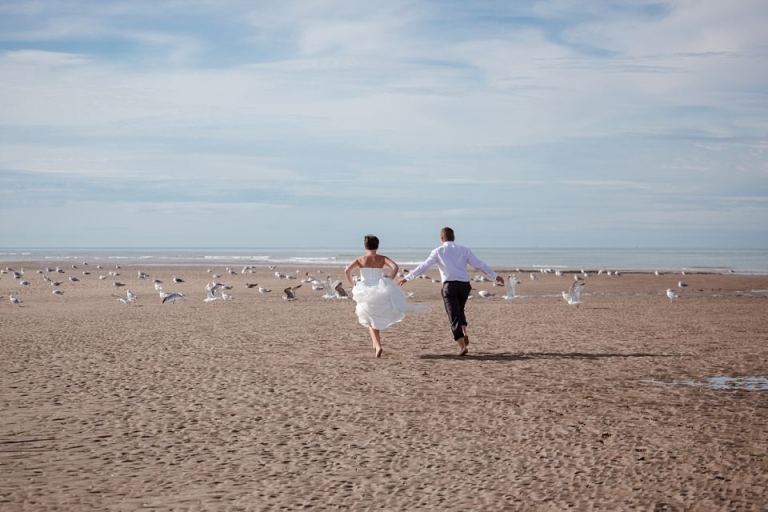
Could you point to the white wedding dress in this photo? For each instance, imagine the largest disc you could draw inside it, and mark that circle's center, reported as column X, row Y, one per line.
column 380, row 302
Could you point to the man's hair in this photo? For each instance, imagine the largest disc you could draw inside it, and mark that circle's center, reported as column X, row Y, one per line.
column 447, row 234
column 371, row 242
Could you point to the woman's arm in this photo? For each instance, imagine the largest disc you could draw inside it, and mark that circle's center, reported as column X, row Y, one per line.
column 393, row 265
column 348, row 271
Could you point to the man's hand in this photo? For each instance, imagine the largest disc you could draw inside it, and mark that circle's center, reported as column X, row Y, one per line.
column 499, row 279
column 401, row 281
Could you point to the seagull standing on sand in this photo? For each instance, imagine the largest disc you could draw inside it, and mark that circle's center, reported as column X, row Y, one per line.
column 681, row 284
column 671, row 294
column 263, row 289
column 486, row 294
column 15, row 300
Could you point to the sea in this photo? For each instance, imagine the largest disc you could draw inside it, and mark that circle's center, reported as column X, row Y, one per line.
column 739, row 261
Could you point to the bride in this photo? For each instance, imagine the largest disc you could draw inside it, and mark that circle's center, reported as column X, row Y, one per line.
column 380, row 302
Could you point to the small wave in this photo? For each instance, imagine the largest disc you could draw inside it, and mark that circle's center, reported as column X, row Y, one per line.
column 244, row 258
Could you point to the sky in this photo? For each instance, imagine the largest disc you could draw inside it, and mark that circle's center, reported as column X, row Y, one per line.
column 217, row 123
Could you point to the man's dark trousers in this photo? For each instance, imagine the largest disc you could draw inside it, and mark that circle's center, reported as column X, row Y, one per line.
column 455, row 295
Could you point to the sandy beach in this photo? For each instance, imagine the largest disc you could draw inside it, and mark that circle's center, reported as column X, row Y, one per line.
column 262, row 404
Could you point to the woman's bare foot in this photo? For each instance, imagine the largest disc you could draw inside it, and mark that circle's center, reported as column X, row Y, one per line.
column 379, row 351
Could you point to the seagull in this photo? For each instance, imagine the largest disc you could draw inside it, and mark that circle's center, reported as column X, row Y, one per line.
column 129, row 298
column 330, row 292
column 251, row 285
column 24, row 283
column 174, row 297
column 341, row 293
column 73, row 279
column 226, row 296
column 511, row 282
column 657, row 273
column 573, row 295
column 141, row 275
column 682, row 284
column 262, row 289
column 211, row 290
column 57, row 292
column 671, row 294
column 55, row 283
column 118, row 284
column 177, row 279
column 279, row 275
column 533, row 277
column 158, row 287
column 486, row 294
column 290, row 292
column 15, row 300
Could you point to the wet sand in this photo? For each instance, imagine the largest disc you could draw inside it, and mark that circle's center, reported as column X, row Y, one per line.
column 262, row 404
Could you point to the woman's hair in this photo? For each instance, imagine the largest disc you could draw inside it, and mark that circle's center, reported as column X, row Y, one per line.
column 447, row 234
column 371, row 242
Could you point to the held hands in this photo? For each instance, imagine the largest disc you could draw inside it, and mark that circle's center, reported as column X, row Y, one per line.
column 401, row 281
column 499, row 279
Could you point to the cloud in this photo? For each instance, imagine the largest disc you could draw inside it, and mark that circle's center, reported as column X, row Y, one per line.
column 609, row 112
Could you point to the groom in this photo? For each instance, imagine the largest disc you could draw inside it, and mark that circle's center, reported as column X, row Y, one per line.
column 452, row 259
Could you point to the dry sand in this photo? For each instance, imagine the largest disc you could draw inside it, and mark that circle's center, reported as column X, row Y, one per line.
column 261, row 404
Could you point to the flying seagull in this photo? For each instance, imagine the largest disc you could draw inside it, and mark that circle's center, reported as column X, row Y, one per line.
column 174, row 297
column 573, row 295
column 290, row 292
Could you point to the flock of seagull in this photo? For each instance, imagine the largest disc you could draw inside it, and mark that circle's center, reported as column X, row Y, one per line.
column 332, row 288
column 214, row 291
